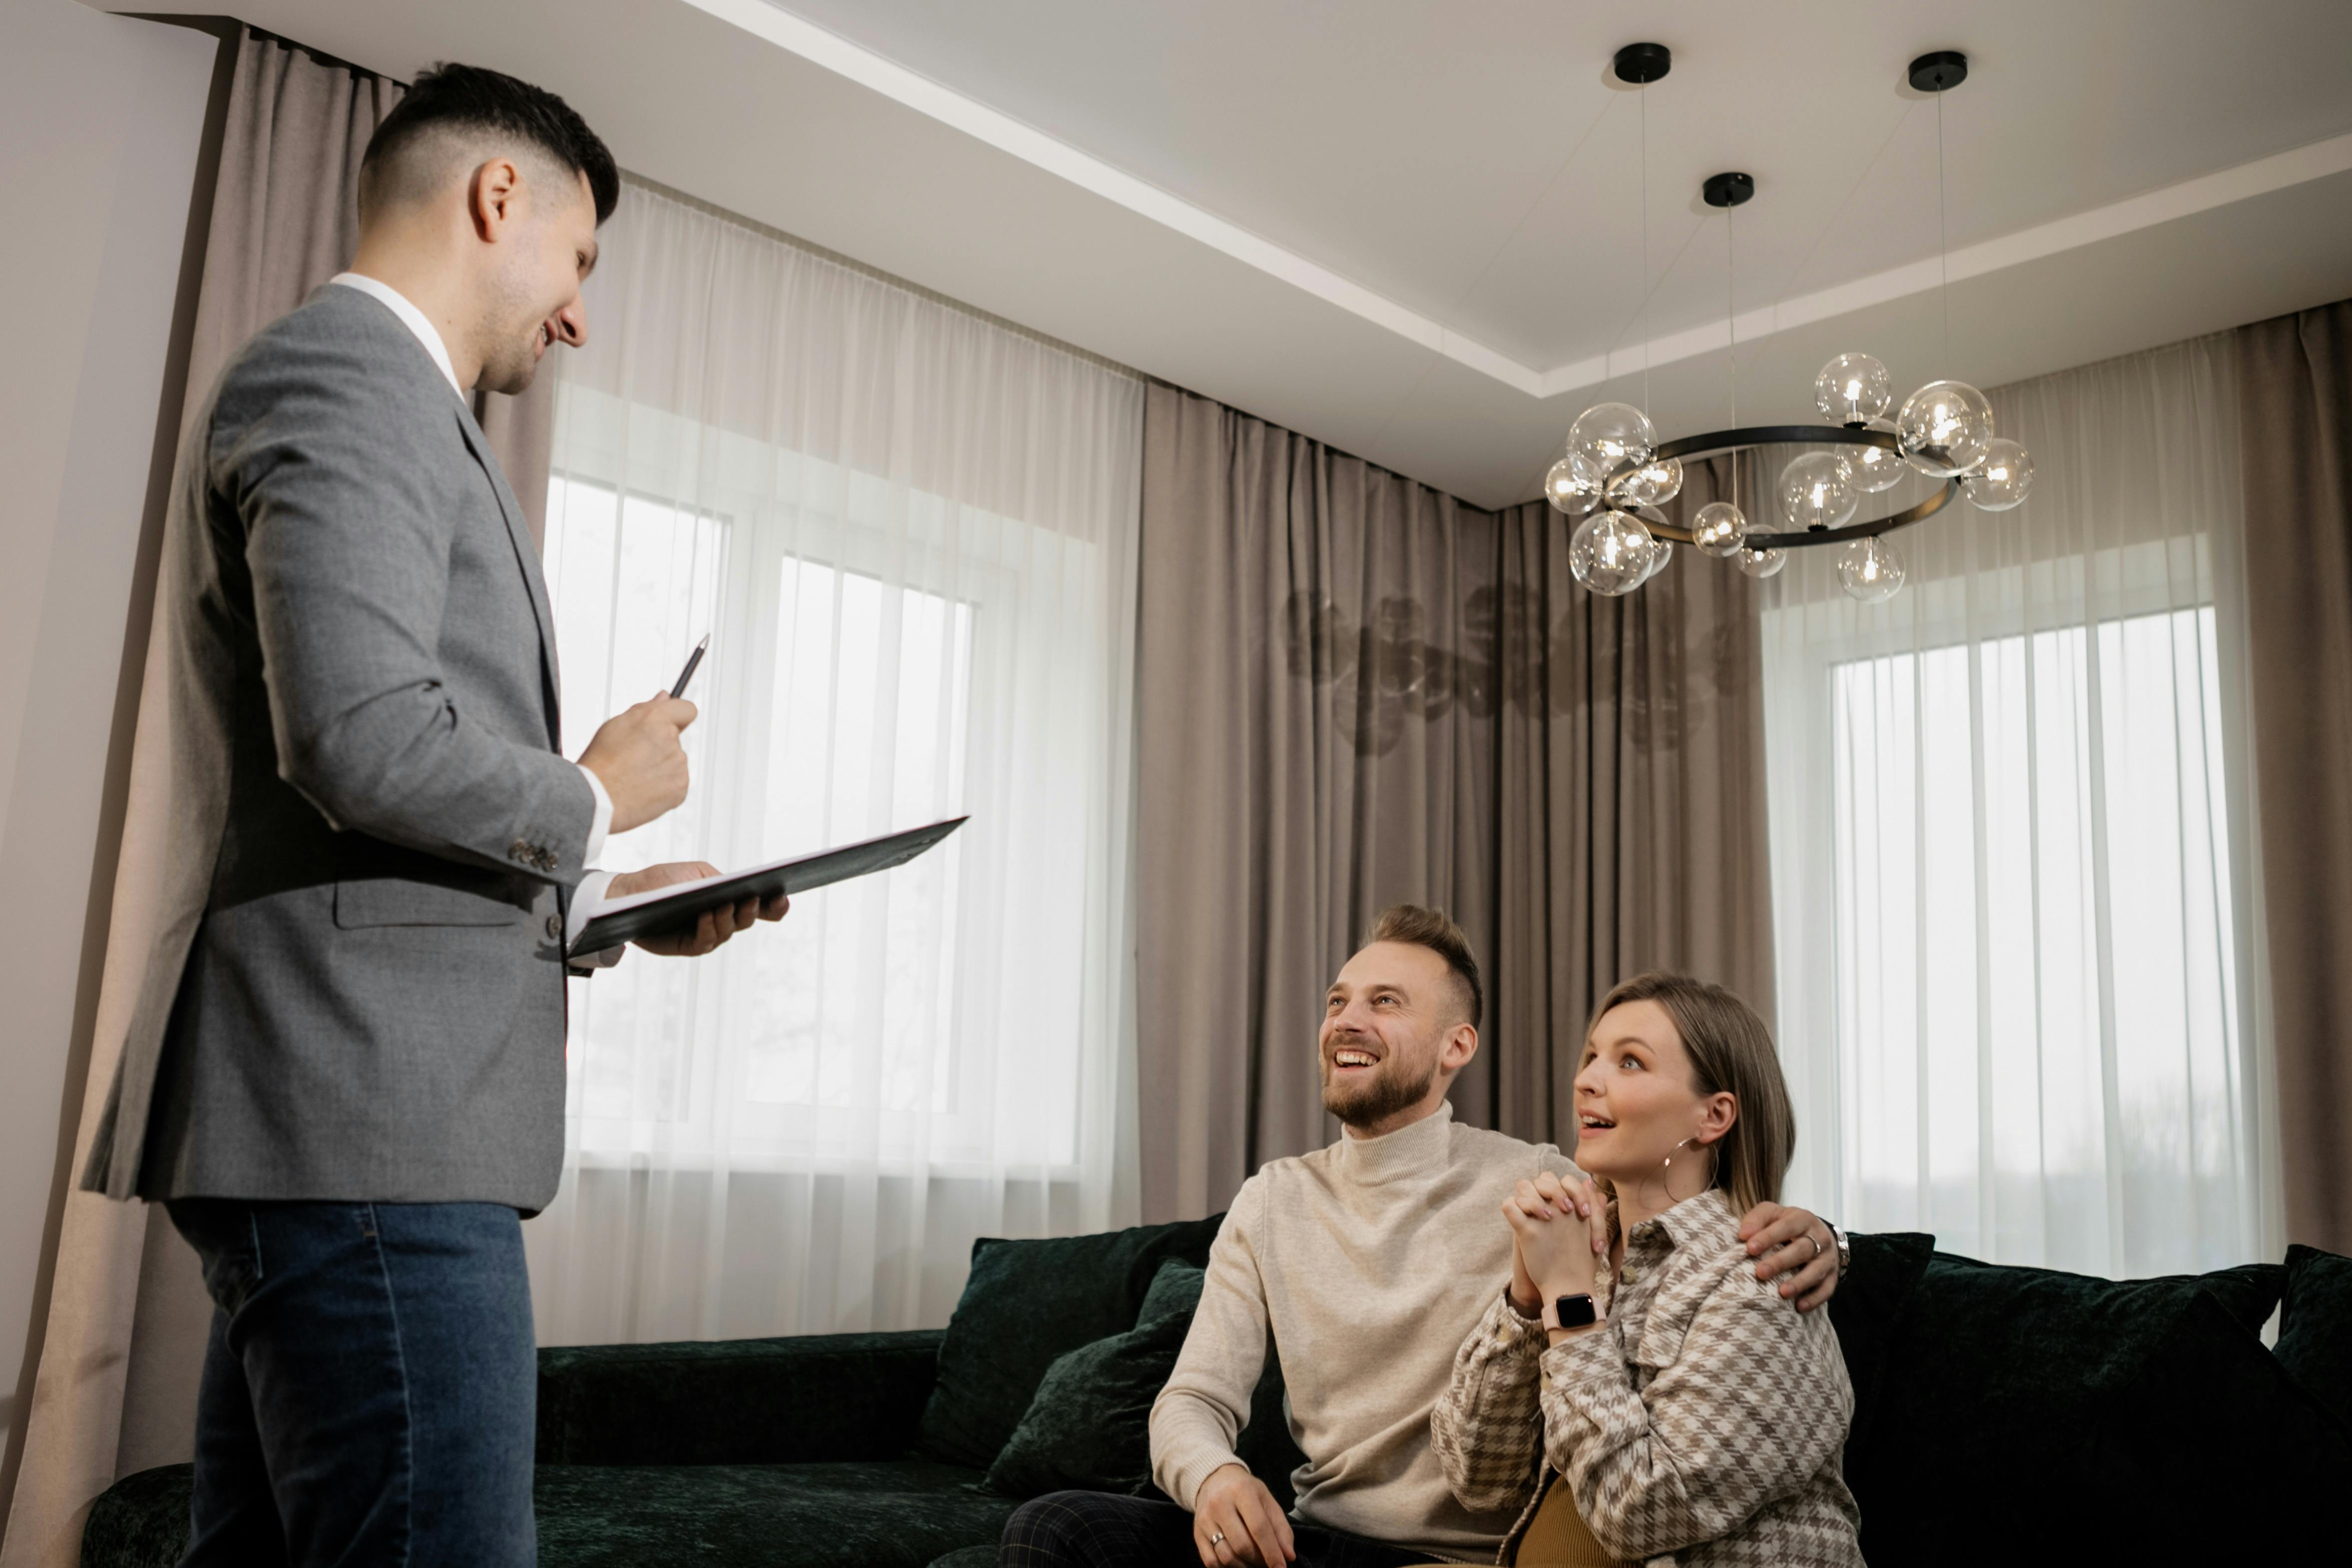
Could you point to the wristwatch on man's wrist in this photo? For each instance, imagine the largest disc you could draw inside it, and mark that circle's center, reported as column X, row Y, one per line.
column 1576, row 1312
column 1844, row 1247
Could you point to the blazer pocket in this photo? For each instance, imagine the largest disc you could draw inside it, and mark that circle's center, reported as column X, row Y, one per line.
column 394, row 901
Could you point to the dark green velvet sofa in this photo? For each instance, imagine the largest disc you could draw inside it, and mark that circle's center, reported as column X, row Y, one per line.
column 2002, row 1414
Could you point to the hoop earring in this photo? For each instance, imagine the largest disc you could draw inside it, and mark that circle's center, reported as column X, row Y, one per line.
column 1712, row 1157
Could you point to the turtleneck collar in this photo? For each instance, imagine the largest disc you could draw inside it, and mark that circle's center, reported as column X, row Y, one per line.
column 1415, row 1150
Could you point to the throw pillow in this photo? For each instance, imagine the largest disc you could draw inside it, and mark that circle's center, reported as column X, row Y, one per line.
column 1870, row 1302
column 1027, row 1302
column 2000, row 1397
column 2315, row 1341
column 1088, row 1427
column 2212, row 1414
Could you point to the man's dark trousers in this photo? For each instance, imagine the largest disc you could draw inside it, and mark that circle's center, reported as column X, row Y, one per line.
column 370, row 1393
column 1102, row 1529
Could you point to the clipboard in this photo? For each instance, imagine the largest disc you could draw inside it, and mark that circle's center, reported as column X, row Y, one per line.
column 679, row 905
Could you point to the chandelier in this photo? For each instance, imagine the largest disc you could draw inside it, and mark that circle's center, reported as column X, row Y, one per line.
column 1616, row 474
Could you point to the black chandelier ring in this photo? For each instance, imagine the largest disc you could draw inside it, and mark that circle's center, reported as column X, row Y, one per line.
column 1714, row 444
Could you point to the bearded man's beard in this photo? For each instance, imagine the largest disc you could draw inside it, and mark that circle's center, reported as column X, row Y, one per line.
column 1387, row 1090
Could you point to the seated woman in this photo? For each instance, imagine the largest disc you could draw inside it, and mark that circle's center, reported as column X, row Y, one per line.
column 1687, row 1408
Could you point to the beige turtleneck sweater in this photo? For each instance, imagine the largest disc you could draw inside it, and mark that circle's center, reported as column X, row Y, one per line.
column 1367, row 1262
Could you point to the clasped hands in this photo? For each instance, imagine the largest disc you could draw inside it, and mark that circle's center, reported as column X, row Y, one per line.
column 1560, row 1241
column 638, row 757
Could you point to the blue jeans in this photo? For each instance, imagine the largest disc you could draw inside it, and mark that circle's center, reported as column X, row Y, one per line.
column 370, row 1393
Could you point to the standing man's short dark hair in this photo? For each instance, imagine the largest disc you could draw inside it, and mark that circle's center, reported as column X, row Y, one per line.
column 450, row 106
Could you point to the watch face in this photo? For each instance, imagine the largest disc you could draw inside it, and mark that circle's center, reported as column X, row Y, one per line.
column 1575, row 1312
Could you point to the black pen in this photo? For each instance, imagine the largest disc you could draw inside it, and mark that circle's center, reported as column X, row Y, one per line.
column 692, row 659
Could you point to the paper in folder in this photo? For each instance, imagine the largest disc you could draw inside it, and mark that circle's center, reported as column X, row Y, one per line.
column 679, row 905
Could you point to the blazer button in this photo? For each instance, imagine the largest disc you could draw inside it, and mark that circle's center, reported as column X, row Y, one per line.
column 519, row 852
column 555, row 928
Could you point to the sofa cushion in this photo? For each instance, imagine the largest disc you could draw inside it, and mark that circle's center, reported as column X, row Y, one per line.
column 1028, row 1302
column 141, row 1520
column 803, row 1398
column 882, row 1514
column 2315, row 1339
column 885, row 1514
column 982, row 1556
column 2001, row 1399
column 1089, row 1425
column 2213, row 1415
column 1870, row 1302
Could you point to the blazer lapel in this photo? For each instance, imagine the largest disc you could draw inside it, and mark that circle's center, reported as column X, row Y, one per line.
column 526, row 557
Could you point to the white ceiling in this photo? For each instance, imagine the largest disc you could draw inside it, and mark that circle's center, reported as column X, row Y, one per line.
column 1415, row 230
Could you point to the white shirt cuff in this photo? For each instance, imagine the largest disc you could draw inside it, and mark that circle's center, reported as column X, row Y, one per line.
column 601, row 823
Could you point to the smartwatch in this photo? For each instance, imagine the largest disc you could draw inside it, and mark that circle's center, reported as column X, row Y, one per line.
column 1576, row 1312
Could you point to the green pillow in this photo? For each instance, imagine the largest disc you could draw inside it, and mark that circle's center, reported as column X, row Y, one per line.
column 1027, row 1303
column 1088, row 1427
column 2014, row 1389
column 1872, row 1297
column 2315, row 1341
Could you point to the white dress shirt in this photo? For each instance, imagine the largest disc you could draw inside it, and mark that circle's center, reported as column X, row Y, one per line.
column 590, row 895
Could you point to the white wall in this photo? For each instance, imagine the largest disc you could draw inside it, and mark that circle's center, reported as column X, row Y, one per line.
column 101, row 121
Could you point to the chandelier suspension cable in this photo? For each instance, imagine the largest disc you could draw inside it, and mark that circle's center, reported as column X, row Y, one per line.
column 1943, row 235
column 1645, row 247
column 1731, row 324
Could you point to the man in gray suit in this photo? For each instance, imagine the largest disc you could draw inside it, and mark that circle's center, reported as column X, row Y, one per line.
column 350, row 1084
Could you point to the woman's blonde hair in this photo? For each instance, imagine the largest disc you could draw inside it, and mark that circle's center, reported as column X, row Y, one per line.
column 1730, row 1051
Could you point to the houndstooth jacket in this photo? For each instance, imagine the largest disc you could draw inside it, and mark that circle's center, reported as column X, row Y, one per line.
column 1703, row 1424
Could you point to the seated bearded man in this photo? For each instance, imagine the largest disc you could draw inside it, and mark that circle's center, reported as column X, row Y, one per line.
column 1367, row 1262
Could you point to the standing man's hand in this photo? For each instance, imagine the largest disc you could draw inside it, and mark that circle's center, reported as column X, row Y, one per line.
column 1236, row 1520
column 1792, row 1241
column 637, row 756
column 714, row 928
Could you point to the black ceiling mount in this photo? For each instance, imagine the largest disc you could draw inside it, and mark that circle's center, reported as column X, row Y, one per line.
column 1641, row 64
column 1728, row 190
column 1937, row 72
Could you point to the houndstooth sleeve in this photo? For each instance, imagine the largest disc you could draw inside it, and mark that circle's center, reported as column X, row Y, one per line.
column 1752, row 1406
column 1485, row 1428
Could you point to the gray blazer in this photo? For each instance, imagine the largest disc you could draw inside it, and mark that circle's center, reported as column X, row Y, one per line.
column 358, row 993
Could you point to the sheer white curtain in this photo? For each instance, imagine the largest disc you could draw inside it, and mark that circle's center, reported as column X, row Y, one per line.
column 911, row 533
column 2012, row 870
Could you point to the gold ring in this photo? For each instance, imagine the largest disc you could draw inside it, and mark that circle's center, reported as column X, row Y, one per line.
column 1217, row 1538
column 1818, row 1248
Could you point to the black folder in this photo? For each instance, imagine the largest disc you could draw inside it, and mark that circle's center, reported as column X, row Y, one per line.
column 677, row 908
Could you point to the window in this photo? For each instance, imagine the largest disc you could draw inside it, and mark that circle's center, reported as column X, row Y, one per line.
column 835, row 707
column 2036, row 990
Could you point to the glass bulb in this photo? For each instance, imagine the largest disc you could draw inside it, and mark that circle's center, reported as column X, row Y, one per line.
column 1853, row 389
column 1610, row 552
column 1944, row 427
column 1719, row 530
column 2001, row 481
column 1662, row 548
column 1876, row 468
column 1568, row 488
column 1762, row 563
column 1609, row 435
column 1870, row 569
column 1653, row 483
column 1816, row 491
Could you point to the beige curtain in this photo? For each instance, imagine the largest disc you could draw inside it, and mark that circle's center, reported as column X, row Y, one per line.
column 2295, row 431
column 126, row 1315
column 1631, row 830
column 1353, row 690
